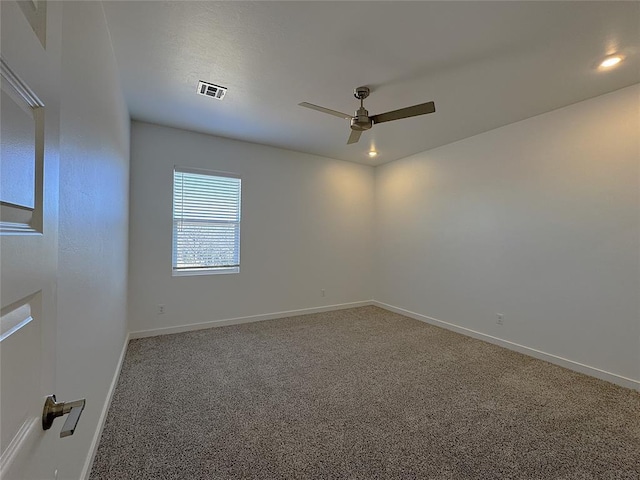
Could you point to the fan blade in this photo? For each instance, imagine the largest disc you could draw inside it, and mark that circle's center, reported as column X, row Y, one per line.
column 354, row 137
column 414, row 111
column 325, row 110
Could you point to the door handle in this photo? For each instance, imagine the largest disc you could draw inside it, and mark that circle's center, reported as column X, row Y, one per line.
column 53, row 409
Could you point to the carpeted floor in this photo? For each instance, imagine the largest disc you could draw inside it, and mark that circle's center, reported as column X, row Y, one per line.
column 358, row 394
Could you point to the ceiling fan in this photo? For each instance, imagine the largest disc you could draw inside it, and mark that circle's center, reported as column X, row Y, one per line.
column 361, row 120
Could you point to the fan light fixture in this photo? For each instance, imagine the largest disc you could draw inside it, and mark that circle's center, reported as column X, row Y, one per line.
column 373, row 153
column 611, row 61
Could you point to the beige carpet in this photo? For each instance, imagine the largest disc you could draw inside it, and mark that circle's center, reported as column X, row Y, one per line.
column 359, row 394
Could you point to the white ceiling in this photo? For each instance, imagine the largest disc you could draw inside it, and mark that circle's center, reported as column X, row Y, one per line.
column 485, row 64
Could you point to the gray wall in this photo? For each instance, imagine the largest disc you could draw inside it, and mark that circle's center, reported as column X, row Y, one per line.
column 537, row 220
column 307, row 224
column 93, row 230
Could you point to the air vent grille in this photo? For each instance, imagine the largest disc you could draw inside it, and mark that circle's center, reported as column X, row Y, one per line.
column 211, row 90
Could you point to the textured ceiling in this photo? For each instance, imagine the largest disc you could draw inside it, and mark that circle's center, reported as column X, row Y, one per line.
column 485, row 64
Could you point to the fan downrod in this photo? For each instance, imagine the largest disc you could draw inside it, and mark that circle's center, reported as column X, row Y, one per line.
column 360, row 120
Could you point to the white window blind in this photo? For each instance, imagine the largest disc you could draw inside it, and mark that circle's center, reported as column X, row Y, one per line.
column 206, row 221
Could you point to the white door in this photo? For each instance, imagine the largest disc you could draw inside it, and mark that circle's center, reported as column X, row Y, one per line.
column 30, row 51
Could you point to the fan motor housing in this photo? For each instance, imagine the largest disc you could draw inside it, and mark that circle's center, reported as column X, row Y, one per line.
column 361, row 121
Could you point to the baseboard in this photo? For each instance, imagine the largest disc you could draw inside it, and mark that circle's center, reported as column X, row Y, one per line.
column 86, row 470
column 249, row 319
column 532, row 352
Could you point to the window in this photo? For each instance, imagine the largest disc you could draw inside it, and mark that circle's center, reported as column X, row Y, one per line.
column 206, row 222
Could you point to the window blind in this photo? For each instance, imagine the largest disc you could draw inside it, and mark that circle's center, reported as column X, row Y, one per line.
column 206, row 220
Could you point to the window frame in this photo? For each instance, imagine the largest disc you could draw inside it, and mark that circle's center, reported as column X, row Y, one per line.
column 188, row 272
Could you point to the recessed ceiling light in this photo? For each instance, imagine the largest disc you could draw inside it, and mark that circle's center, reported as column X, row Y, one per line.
column 373, row 153
column 611, row 61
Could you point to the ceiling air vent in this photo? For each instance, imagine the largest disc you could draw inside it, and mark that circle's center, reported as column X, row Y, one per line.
column 211, row 90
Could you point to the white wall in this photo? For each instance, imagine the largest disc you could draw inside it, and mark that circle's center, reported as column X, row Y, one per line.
column 94, row 173
column 538, row 220
column 306, row 225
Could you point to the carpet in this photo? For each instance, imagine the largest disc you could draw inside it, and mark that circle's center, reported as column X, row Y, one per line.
column 358, row 394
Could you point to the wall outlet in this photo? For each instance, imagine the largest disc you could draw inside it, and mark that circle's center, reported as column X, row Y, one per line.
column 322, row 293
column 500, row 319
column 160, row 309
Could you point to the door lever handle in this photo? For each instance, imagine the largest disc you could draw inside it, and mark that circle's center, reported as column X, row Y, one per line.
column 53, row 409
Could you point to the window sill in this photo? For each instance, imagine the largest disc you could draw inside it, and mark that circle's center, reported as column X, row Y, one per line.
column 204, row 271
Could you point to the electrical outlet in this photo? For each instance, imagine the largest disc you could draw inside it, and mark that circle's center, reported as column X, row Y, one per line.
column 322, row 293
column 160, row 309
column 500, row 320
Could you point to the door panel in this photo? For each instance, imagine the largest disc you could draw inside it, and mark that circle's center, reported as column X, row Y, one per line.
column 28, row 234
column 20, row 334
column 18, row 149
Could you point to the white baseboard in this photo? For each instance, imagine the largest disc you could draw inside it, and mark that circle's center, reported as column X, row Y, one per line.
column 86, row 470
column 532, row 352
column 252, row 318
